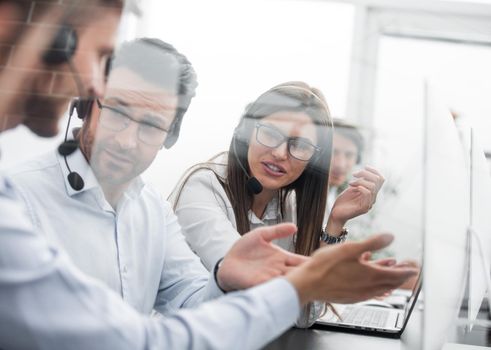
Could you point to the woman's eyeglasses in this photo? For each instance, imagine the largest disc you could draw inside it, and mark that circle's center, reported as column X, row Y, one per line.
column 298, row 147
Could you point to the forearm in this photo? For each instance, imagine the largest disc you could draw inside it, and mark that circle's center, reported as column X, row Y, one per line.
column 47, row 303
column 335, row 226
column 240, row 320
column 81, row 314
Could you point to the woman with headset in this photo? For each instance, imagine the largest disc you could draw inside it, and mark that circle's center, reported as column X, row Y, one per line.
column 276, row 170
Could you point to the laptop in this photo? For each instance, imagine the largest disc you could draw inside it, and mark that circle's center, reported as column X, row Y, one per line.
column 368, row 319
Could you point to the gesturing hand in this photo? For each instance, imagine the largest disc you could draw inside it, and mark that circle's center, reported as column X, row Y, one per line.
column 359, row 197
column 339, row 273
column 254, row 259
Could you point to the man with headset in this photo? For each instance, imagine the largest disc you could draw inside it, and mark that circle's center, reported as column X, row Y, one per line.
column 121, row 230
column 347, row 149
column 47, row 303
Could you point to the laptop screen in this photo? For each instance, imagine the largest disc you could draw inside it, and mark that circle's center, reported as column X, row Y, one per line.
column 412, row 299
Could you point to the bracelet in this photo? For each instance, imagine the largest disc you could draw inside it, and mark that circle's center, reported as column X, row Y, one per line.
column 215, row 273
column 328, row 239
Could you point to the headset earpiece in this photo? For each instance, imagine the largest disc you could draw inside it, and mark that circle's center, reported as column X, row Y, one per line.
column 63, row 46
column 175, row 128
column 82, row 106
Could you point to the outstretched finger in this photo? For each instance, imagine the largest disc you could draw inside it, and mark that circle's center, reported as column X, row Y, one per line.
column 385, row 262
column 394, row 276
column 371, row 244
column 269, row 233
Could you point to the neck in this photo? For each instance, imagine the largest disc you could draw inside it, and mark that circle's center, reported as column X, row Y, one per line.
column 113, row 193
column 260, row 201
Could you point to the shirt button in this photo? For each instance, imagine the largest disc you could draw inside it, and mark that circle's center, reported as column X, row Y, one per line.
column 125, row 269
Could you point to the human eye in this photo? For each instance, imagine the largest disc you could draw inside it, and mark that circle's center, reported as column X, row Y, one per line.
column 301, row 145
column 114, row 117
column 350, row 155
column 272, row 134
column 150, row 130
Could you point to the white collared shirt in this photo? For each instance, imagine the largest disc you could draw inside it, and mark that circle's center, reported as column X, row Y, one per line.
column 208, row 221
column 207, row 218
column 137, row 250
column 47, row 303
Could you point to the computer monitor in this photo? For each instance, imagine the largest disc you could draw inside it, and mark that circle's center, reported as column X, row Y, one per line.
column 447, row 200
column 479, row 226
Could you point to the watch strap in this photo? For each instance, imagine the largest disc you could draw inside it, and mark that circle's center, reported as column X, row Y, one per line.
column 330, row 239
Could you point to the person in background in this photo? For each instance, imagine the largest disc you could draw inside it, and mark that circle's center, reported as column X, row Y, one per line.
column 348, row 147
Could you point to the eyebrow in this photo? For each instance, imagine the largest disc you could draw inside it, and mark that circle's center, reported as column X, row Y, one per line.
column 300, row 138
column 117, row 100
column 154, row 120
column 148, row 118
column 304, row 139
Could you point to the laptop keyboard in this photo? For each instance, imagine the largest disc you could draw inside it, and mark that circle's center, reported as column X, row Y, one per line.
column 363, row 316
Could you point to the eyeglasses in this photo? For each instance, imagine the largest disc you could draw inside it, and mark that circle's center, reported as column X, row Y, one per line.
column 118, row 118
column 298, row 147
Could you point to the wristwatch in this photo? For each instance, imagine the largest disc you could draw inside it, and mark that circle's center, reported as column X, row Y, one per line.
column 328, row 239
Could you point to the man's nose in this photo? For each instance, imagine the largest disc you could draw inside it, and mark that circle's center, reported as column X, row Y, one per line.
column 128, row 137
column 92, row 75
column 97, row 81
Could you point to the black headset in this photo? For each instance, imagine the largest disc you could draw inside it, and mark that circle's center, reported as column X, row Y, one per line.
column 252, row 184
column 63, row 46
column 62, row 50
column 67, row 39
column 84, row 106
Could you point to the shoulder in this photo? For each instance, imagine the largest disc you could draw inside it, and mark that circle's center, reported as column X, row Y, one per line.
column 42, row 168
column 153, row 195
column 11, row 207
column 201, row 178
column 203, row 182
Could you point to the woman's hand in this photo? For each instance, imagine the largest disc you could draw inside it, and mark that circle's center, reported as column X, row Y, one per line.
column 358, row 198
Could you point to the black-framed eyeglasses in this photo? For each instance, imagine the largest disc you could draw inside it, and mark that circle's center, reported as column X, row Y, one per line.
column 298, row 147
column 118, row 118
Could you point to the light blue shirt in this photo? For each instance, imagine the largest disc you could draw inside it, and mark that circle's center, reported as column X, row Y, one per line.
column 137, row 250
column 47, row 303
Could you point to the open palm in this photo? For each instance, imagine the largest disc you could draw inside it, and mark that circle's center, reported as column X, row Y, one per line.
column 254, row 259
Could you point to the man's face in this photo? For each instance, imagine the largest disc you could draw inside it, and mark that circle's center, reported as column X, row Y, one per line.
column 343, row 159
column 45, row 97
column 124, row 134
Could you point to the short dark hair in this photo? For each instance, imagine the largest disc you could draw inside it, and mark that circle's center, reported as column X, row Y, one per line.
column 352, row 133
column 156, row 62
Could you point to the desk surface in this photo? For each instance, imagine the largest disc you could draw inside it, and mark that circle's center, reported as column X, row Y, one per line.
column 314, row 339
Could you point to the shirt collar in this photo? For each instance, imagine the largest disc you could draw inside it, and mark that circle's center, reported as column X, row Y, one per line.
column 272, row 213
column 79, row 164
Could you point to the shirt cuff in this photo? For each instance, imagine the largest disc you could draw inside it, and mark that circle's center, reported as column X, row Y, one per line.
column 283, row 301
column 213, row 291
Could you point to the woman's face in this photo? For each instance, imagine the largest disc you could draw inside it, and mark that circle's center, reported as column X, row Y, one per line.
column 275, row 167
